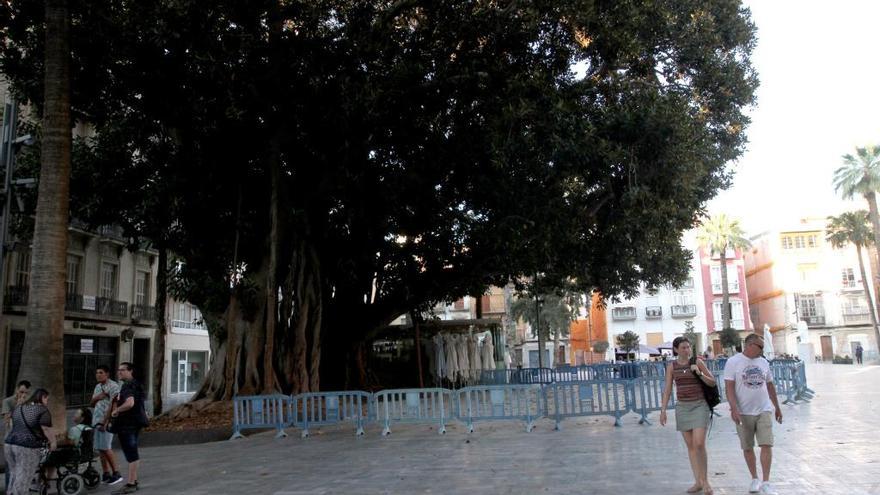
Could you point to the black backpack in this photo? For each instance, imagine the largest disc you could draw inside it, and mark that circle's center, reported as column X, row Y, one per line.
column 710, row 392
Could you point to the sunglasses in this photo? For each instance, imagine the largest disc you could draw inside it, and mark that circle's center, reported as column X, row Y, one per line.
column 758, row 346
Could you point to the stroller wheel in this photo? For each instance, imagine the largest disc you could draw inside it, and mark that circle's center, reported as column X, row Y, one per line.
column 71, row 484
column 92, row 477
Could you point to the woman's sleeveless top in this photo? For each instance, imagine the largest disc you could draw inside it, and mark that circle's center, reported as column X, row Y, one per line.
column 687, row 385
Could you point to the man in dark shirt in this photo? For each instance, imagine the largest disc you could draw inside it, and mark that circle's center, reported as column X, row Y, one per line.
column 128, row 417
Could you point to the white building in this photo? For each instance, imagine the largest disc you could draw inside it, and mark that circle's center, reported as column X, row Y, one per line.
column 659, row 314
column 794, row 275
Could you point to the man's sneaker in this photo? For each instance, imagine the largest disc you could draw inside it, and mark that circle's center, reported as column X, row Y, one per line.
column 128, row 488
column 755, row 487
column 767, row 489
column 105, row 478
column 114, row 478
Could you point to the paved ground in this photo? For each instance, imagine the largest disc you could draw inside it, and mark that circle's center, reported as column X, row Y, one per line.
column 828, row 446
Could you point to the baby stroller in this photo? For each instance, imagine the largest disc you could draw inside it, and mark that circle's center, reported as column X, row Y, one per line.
column 74, row 467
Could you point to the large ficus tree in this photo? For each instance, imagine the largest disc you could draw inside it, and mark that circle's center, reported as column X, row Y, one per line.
column 346, row 162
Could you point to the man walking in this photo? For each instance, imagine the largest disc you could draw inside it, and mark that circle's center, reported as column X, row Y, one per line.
column 128, row 418
column 859, row 351
column 105, row 391
column 752, row 398
column 22, row 389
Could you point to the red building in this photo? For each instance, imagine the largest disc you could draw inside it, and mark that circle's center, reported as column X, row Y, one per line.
column 710, row 267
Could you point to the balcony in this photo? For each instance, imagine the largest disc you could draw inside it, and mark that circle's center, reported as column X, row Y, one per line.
column 16, row 295
column 105, row 306
column 653, row 312
column 143, row 312
column 736, row 324
column 857, row 318
column 683, row 310
column 623, row 313
column 814, row 321
column 732, row 287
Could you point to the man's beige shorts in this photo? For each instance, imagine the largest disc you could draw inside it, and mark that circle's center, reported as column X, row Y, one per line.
column 760, row 426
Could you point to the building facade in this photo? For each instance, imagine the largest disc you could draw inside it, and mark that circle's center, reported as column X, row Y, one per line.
column 795, row 275
column 659, row 314
column 110, row 317
column 710, row 273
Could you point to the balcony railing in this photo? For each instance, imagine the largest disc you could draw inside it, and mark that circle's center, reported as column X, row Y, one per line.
column 16, row 295
column 732, row 287
column 623, row 313
column 193, row 325
column 814, row 321
column 683, row 310
column 654, row 312
column 110, row 307
column 736, row 324
column 854, row 318
column 143, row 312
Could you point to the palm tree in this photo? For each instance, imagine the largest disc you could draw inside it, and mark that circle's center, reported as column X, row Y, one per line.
column 42, row 357
column 860, row 174
column 852, row 228
column 717, row 235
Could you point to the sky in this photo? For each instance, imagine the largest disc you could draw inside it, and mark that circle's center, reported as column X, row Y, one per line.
column 820, row 80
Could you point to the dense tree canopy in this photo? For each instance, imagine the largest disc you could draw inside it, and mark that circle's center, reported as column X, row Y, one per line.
column 371, row 158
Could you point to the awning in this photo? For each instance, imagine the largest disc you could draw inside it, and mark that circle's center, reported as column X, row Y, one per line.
column 665, row 345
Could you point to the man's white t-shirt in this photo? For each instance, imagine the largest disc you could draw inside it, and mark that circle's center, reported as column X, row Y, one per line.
column 751, row 377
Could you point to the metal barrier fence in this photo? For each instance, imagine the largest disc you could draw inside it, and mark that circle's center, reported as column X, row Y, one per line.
column 498, row 402
column 330, row 408
column 415, row 405
column 590, row 398
column 572, row 392
column 260, row 412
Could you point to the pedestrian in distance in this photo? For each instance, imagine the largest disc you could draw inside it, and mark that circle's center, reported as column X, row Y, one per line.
column 31, row 433
column 692, row 412
column 859, row 351
column 105, row 392
column 752, row 397
column 128, row 417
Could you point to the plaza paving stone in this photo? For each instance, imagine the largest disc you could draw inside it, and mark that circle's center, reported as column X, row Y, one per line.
column 827, row 446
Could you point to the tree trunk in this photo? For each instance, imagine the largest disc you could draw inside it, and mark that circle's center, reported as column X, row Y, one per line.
column 866, row 286
column 874, row 215
column 725, row 291
column 42, row 357
column 417, row 326
column 557, row 356
column 269, row 380
column 159, row 362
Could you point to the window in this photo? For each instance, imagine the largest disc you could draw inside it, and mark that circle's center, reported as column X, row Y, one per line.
column 854, row 305
column 142, row 289
column 459, row 304
column 23, row 270
column 187, row 371
column 787, row 242
column 735, row 307
column 808, row 305
column 799, row 242
column 732, row 278
column 811, row 240
column 186, row 315
column 108, row 280
column 807, row 272
column 73, row 264
column 848, row 279
column 683, row 297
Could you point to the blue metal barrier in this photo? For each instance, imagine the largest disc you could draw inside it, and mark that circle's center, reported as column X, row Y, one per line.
column 647, row 396
column 575, row 374
column 331, row 408
column 498, row 402
column 416, row 405
column 540, row 376
column 260, row 412
column 590, row 398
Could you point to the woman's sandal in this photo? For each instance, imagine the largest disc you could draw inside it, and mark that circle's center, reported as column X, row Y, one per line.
column 695, row 489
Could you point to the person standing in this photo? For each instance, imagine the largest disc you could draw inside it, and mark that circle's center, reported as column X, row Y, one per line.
column 31, row 432
column 22, row 389
column 747, row 379
column 692, row 412
column 859, row 351
column 105, row 391
column 128, row 417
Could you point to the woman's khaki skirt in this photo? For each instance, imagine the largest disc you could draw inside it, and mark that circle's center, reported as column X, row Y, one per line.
column 691, row 414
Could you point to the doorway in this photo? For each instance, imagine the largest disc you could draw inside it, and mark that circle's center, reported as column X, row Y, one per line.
column 827, row 349
column 82, row 355
column 716, row 348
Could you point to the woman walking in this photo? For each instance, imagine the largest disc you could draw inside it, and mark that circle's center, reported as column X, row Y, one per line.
column 31, row 433
column 691, row 410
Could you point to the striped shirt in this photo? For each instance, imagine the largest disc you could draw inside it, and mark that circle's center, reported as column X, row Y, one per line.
column 687, row 385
